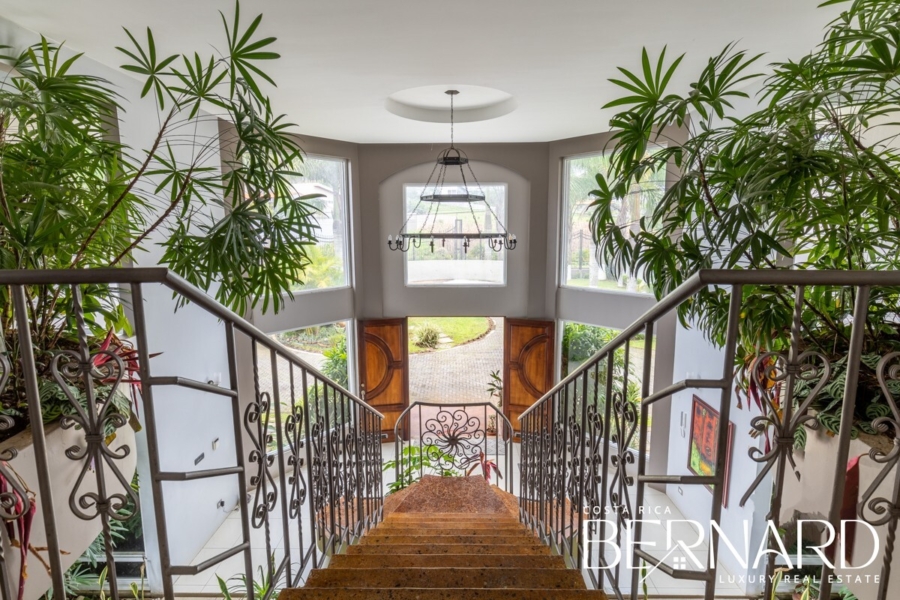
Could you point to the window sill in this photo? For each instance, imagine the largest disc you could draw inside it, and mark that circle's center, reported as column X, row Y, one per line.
column 316, row 291
column 625, row 293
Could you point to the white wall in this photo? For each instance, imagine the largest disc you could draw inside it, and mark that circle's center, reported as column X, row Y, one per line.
column 400, row 300
column 696, row 358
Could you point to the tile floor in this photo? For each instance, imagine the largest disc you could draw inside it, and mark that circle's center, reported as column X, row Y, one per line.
column 659, row 584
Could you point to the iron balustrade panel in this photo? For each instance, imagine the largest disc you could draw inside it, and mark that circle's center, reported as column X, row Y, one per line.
column 585, row 444
column 453, row 439
column 307, row 465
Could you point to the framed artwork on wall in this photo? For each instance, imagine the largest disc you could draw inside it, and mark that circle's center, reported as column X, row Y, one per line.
column 702, row 448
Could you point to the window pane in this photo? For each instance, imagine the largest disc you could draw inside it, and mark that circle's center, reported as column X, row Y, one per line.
column 328, row 266
column 580, row 342
column 449, row 263
column 580, row 265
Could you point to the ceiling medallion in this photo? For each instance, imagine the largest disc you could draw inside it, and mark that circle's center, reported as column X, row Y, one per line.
column 438, row 192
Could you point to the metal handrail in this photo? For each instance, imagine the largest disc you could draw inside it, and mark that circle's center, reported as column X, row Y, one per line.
column 570, row 486
column 177, row 284
column 706, row 277
column 409, row 408
column 333, row 473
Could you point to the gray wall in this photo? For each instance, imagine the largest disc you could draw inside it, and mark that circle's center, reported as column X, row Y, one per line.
column 378, row 162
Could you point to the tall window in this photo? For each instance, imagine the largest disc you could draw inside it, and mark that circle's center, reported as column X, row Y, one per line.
column 450, row 263
column 580, row 267
column 329, row 258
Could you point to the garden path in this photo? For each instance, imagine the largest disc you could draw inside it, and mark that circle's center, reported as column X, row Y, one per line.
column 457, row 375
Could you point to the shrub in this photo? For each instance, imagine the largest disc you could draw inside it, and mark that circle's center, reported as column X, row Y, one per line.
column 427, row 336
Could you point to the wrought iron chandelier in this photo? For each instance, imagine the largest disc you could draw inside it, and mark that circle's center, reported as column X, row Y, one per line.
column 438, row 192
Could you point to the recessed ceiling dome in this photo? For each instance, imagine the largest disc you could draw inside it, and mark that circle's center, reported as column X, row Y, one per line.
column 429, row 103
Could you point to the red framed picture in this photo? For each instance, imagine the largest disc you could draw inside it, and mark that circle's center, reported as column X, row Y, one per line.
column 703, row 444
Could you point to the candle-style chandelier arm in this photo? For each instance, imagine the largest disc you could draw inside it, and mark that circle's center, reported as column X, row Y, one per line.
column 436, row 194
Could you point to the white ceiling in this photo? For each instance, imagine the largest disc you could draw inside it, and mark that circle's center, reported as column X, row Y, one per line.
column 342, row 59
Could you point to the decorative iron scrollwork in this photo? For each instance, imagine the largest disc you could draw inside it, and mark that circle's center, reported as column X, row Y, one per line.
column 880, row 510
column 94, row 416
column 452, row 439
column 593, row 459
column 256, row 423
column 625, row 422
column 293, row 433
column 774, row 373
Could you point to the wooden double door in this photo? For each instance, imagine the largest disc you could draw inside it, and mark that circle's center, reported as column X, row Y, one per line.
column 528, row 366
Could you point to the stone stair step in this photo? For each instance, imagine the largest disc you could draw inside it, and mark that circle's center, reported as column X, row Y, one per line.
column 519, row 539
column 434, row 525
column 449, row 577
column 430, row 516
column 438, row 594
column 509, row 561
column 436, row 533
column 444, row 548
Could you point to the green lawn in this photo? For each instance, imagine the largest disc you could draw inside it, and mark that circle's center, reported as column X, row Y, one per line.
column 458, row 329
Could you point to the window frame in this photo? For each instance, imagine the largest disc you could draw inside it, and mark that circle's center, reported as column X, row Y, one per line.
column 450, row 286
column 563, row 233
column 348, row 228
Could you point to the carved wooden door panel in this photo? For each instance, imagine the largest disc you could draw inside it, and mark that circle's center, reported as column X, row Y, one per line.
column 528, row 354
column 384, row 368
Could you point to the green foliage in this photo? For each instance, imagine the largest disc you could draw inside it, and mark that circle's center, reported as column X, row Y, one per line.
column 264, row 584
column 72, row 196
column 324, row 269
column 416, row 461
column 335, row 365
column 495, row 386
column 808, row 180
column 427, row 336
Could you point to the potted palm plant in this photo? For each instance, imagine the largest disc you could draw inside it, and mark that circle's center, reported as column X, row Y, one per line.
column 806, row 178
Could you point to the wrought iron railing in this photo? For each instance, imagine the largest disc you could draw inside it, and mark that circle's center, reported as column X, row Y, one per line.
column 584, row 465
column 454, row 440
column 322, row 486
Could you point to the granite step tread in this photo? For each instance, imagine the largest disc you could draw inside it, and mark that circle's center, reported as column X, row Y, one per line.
column 445, row 516
column 509, row 561
column 446, row 577
column 436, row 532
column 390, row 525
column 518, row 539
column 438, row 594
column 444, row 548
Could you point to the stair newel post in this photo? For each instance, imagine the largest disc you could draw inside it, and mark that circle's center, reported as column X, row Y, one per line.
column 329, row 458
column 563, row 453
column 642, row 450
column 32, row 392
column 282, row 467
column 604, row 488
column 523, row 467
column 731, row 342
column 539, row 462
column 377, row 424
column 358, row 462
column 854, row 359
column 344, row 464
column 421, row 448
column 582, row 469
column 233, row 378
column 313, row 484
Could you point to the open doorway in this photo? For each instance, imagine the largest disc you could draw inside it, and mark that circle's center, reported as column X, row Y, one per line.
column 455, row 360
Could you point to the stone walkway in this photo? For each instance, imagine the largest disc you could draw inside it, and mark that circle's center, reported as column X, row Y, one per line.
column 457, row 375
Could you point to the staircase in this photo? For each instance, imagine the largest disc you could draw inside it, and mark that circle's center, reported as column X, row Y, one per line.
column 418, row 553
